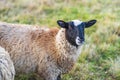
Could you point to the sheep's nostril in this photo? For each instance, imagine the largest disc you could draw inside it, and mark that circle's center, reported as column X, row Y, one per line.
column 79, row 39
column 82, row 41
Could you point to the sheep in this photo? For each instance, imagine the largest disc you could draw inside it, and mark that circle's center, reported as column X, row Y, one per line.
column 7, row 71
column 47, row 52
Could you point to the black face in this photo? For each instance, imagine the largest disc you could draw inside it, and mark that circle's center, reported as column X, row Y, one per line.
column 75, row 30
column 71, row 33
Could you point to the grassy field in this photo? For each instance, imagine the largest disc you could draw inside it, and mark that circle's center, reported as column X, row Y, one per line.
column 100, row 58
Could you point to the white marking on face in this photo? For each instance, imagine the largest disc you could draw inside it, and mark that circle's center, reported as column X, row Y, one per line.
column 77, row 22
column 78, row 40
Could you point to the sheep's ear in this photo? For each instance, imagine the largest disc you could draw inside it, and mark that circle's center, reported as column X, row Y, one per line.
column 62, row 24
column 90, row 23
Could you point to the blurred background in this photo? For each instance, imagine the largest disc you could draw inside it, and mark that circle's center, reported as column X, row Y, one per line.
column 100, row 58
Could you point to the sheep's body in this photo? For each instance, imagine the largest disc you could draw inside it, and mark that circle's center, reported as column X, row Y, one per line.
column 32, row 49
column 7, row 71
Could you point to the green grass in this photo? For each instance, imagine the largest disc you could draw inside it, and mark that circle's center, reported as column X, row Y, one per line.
column 100, row 58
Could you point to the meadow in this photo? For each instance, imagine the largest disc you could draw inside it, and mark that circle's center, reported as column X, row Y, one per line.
column 100, row 58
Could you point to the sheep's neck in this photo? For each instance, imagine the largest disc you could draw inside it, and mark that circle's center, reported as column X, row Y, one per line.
column 68, row 54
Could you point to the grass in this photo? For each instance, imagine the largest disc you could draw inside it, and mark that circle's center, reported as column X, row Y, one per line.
column 100, row 58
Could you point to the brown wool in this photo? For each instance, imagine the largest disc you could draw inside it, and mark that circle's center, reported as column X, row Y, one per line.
column 33, row 48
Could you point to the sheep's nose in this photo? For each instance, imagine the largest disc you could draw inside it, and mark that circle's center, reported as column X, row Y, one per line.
column 81, row 40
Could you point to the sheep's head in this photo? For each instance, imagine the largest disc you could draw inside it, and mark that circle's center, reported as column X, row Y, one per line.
column 75, row 30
